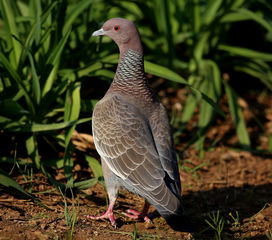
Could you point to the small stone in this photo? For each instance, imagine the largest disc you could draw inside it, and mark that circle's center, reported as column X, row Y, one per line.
column 259, row 217
column 149, row 225
column 77, row 167
column 253, row 234
column 43, row 226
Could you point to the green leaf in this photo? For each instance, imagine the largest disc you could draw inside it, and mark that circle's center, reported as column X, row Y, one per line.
column 8, row 14
column 211, row 87
column 85, row 184
column 75, row 11
column 7, row 181
column 234, row 17
column 15, row 76
column 256, row 17
column 72, row 108
column 38, row 13
column 209, row 100
column 72, row 102
column 69, row 163
column 236, row 4
column 163, row 17
column 9, row 107
column 206, row 111
column 270, row 142
column 95, row 166
column 245, row 52
column 264, row 76
column 35, row 31
column 201, row 45
column 71, row 112
column 32, row 150
column 37, row 127
column 163, row 72
column 196, row 15
column 47, row 102
column 211, row 11
column 35, row 81
column 53, row 60
column 105, row 73
column 56, row 163
column 237, row 117
column 189, row 108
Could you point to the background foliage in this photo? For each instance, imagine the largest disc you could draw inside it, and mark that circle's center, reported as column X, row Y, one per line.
column 52, row 72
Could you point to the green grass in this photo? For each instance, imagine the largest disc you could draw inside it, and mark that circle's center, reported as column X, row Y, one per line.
column 70, row 213
column 216, row 222
column 269, row 235
column 235, row 219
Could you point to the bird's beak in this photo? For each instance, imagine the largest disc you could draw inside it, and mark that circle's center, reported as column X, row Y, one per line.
column 98, row 33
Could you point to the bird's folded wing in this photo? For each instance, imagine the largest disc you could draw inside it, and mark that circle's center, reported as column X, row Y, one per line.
column 124, row 140
column 161, row 132
column 123, row 137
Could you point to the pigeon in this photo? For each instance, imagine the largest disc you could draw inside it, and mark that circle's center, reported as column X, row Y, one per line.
column 133, row 137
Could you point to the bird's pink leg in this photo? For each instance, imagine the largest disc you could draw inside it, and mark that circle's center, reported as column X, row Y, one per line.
column 131, row 213
column 106, row 215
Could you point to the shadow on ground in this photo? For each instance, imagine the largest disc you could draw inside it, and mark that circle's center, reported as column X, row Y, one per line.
column 252, row 203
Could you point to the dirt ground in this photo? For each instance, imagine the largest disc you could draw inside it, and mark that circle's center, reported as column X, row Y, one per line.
column 231, row 186
column 238, row 184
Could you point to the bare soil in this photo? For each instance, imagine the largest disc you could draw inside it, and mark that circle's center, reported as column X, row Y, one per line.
column 235, row 183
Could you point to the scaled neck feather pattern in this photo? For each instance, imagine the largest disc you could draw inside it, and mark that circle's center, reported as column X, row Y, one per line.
column 130, row 77
column 130, row 68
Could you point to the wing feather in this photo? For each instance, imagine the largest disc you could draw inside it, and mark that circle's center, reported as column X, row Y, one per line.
column 125, row 140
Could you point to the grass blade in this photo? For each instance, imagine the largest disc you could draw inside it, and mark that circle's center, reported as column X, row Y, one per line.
column 55, row 54
column 74, row 12
column 196, row 15
column 37, row 127
column 245, row 52
column 71, row 112
column 72, row 102
column 211, row 11
column 237, row 117
column 85, row 184
column 96, row 167
column 256, row 17
column 7, row 181
column 264, row 77
column 208, row 100
column 189, row 108
column 9, row 107
column 53, row 61
column 32, row 150
column 35, row 33
column 8, row 16
column 36, row 89
column 15, row 76
column 163, row 72
column 163, row 16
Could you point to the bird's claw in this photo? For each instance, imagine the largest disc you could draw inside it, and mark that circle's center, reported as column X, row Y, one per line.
column 131, row 213
column 107, row 215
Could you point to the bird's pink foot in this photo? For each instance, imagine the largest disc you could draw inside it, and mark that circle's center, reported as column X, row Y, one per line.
column 107, row 215
column 131, row 213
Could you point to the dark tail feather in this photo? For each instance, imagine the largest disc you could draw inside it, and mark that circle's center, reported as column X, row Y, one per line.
column 180, row 223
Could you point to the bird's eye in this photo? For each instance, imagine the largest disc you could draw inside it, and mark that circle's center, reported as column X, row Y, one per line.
column 116, row 28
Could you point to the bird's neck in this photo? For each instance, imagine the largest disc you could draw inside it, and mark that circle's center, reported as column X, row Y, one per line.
column 130, row 70
column 130, row 78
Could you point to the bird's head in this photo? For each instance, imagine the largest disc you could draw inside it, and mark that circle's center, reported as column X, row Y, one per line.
column 123, row 32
